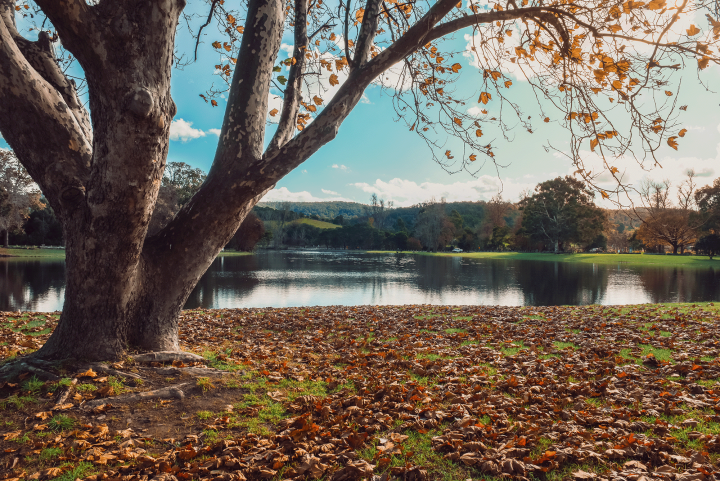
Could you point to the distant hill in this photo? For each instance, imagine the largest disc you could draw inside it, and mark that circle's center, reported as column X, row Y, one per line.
column 326, row 210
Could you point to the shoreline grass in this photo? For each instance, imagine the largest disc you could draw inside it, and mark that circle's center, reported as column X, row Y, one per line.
column 650, row 260
column 57, row 254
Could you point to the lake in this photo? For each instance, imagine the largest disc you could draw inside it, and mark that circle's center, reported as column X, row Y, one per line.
column 309, row 278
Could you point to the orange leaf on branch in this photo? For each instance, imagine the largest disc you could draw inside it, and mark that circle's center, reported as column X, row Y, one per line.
column 692, row 31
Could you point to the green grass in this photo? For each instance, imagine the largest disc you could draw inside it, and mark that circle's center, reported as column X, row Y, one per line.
column 49, row 453
column 82, row 470
column 231, row 253
column 33, row 384
column 318, row 223
column 606, row 259
column 60, row 422
column 420, row 445
column 17, row 401
column 33, row 252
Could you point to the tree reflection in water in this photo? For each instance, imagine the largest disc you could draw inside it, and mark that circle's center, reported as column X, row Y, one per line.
column 293, row 278
column 27, row 285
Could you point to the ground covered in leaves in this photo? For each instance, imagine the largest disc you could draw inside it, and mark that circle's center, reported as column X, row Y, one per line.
column 382, row 393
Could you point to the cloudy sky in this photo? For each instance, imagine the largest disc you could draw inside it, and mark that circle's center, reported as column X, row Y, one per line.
column 375, row 153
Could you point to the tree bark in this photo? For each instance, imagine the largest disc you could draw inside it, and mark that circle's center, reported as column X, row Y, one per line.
column 113, row 176
column 124, row 288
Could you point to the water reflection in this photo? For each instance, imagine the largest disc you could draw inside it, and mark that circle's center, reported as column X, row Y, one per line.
column 346, row 278
column 27, row 285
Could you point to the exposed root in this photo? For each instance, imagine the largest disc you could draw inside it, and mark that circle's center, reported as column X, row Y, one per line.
column 168, row 356
column 190, row 371
column 101, row 367
column 171, row 392
column 12, row 370
column 62, row 397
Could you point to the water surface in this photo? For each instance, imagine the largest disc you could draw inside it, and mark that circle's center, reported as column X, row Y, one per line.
column 306, row 278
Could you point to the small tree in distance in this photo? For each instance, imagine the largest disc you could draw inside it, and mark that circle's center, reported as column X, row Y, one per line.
column 102, row 173
column 708, row 245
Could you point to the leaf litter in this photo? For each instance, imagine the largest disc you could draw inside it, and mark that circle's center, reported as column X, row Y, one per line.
column 393, row 392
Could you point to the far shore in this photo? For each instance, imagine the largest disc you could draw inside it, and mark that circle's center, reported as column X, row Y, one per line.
column 656, row 260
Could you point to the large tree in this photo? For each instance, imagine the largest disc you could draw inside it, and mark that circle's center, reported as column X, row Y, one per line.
column 101, row 169
column 561, row 211
column 665, row 223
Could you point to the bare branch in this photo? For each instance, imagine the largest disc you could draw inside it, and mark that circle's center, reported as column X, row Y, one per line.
column 207, row 22
column 367, row 33
column 293, row 90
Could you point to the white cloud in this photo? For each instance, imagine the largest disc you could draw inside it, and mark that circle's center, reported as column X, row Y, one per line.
column 284, row 194
column 329, row 192
column 340, row 166
column 672, row 167
column 183, row 131
column 407, row 192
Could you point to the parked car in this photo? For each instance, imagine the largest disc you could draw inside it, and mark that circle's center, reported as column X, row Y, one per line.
column 457, row 249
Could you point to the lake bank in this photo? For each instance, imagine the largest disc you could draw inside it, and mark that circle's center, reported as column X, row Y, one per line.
column 453, row 392
column 604, row 259
column 45, row 253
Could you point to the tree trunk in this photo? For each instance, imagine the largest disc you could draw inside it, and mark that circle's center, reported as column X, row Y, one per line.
column 5, row 239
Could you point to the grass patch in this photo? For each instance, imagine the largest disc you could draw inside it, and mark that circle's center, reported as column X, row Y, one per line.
column 82, row 470
column 60, row 422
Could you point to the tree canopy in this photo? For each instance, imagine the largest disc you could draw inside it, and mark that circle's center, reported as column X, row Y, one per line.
column 560, row 211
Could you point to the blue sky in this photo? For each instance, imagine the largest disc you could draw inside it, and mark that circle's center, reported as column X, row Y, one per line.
column 373, row 152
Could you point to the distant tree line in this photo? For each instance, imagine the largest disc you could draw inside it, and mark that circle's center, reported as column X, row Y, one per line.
column 559, row 215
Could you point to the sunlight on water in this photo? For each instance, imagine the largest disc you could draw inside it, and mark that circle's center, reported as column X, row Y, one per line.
column 307, row 278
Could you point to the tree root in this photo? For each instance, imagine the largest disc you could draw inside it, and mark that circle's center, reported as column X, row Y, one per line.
column 190, row 371
column 101, row 367
column 62, row 397
column 12, row 370
column 168, row 356
column 170, row 392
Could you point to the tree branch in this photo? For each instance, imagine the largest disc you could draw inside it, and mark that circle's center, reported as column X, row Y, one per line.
column 234, row 180
column 75, row 22
column 293, row 90
column 209, row 19
column 347, row 28
column 367, row 33
column 479, row 18
column 48, row 138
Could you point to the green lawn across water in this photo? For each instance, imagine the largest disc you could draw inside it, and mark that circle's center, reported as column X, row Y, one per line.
column 605, row 259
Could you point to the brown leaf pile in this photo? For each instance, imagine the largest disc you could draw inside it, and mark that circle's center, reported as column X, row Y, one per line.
column 419, row 392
